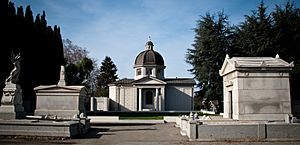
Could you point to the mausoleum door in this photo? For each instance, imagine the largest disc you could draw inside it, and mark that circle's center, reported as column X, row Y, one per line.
column 148, row 99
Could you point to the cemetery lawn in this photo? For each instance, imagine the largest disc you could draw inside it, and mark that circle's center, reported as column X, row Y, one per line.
column 141, row 117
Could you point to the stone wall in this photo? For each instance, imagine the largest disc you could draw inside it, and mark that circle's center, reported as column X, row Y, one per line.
column 238, row 131
column 257, row 95
column 100, row 104
column 122, row 98
column 179, row 98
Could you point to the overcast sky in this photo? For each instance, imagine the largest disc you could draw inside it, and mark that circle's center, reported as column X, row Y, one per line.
column 120, row 28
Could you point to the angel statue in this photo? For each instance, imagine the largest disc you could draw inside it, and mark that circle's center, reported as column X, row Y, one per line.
column 15, row 73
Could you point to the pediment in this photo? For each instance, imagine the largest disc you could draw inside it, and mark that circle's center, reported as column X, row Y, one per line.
column 58, row 88
column 227, row 67
column 254, row 63
column 149, row 81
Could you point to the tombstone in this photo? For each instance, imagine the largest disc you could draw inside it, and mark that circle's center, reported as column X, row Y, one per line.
column 12, row 102
column 256, row 88
column 61, row 100
column 196, row 116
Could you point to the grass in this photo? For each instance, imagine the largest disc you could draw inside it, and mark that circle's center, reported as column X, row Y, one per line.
column 141, row 118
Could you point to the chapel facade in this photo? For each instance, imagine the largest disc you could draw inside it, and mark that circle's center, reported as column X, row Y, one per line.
column 149, row 90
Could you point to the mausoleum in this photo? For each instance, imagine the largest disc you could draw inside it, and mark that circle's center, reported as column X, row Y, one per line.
column 149, row 90
column 256, row 88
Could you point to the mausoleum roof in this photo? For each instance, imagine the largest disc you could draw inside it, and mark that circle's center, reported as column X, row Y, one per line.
column 247, row 63
column 258, row 62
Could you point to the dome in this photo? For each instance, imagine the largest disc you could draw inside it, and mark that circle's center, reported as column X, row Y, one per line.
column 149, row 56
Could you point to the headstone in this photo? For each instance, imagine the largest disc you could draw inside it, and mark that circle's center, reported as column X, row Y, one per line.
column 62, row 81
column 61, row 100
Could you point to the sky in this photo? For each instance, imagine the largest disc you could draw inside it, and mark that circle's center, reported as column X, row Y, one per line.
column 120, row 28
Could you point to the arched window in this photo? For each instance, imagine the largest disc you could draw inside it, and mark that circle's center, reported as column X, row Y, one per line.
column 149, row 98
column 139, row 71
column 149, row 71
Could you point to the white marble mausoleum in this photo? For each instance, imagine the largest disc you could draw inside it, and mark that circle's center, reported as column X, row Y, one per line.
column 256, row 88
column 149, row 90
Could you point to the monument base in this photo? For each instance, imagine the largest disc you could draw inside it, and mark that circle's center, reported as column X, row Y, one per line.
column 40, row 128
column 11, row 112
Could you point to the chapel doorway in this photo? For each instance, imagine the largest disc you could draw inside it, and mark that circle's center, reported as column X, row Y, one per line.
column 148, row 101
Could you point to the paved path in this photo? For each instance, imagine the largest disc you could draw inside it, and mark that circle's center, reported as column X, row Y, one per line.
column 134, row 134
column 151, row 134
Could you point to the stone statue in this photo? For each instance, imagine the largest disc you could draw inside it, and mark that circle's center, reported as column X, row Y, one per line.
column 12, row 93
column 15, row 73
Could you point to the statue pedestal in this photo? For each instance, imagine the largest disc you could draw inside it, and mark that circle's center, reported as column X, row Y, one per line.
column 11, row 103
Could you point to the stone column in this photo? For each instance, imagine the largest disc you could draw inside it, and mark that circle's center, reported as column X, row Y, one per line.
column 154, row 72
column 140, row 99
column 93, row 103
column 156, row 100
column 162, row 100
column 62, row 81
column 135, row 97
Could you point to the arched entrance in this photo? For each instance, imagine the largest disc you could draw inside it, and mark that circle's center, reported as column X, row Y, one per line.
column 148, row 99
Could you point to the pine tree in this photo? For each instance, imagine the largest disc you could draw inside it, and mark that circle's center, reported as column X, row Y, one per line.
column 108, row 74
column 212, row 41
column 287, row 41
column 254, row 37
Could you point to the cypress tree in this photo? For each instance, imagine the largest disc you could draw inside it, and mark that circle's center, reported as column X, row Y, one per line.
column 7, row 12
column 36, row 42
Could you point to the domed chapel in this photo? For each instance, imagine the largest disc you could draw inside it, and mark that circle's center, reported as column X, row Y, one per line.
column 149, row 90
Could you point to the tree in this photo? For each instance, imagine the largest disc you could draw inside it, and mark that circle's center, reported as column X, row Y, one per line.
column 108, row 74
column 212, row 41
column 79, row 74
column 254, row 37
column 72, row 52
column 286, row 29
column 22, row 35
column 78, row 65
